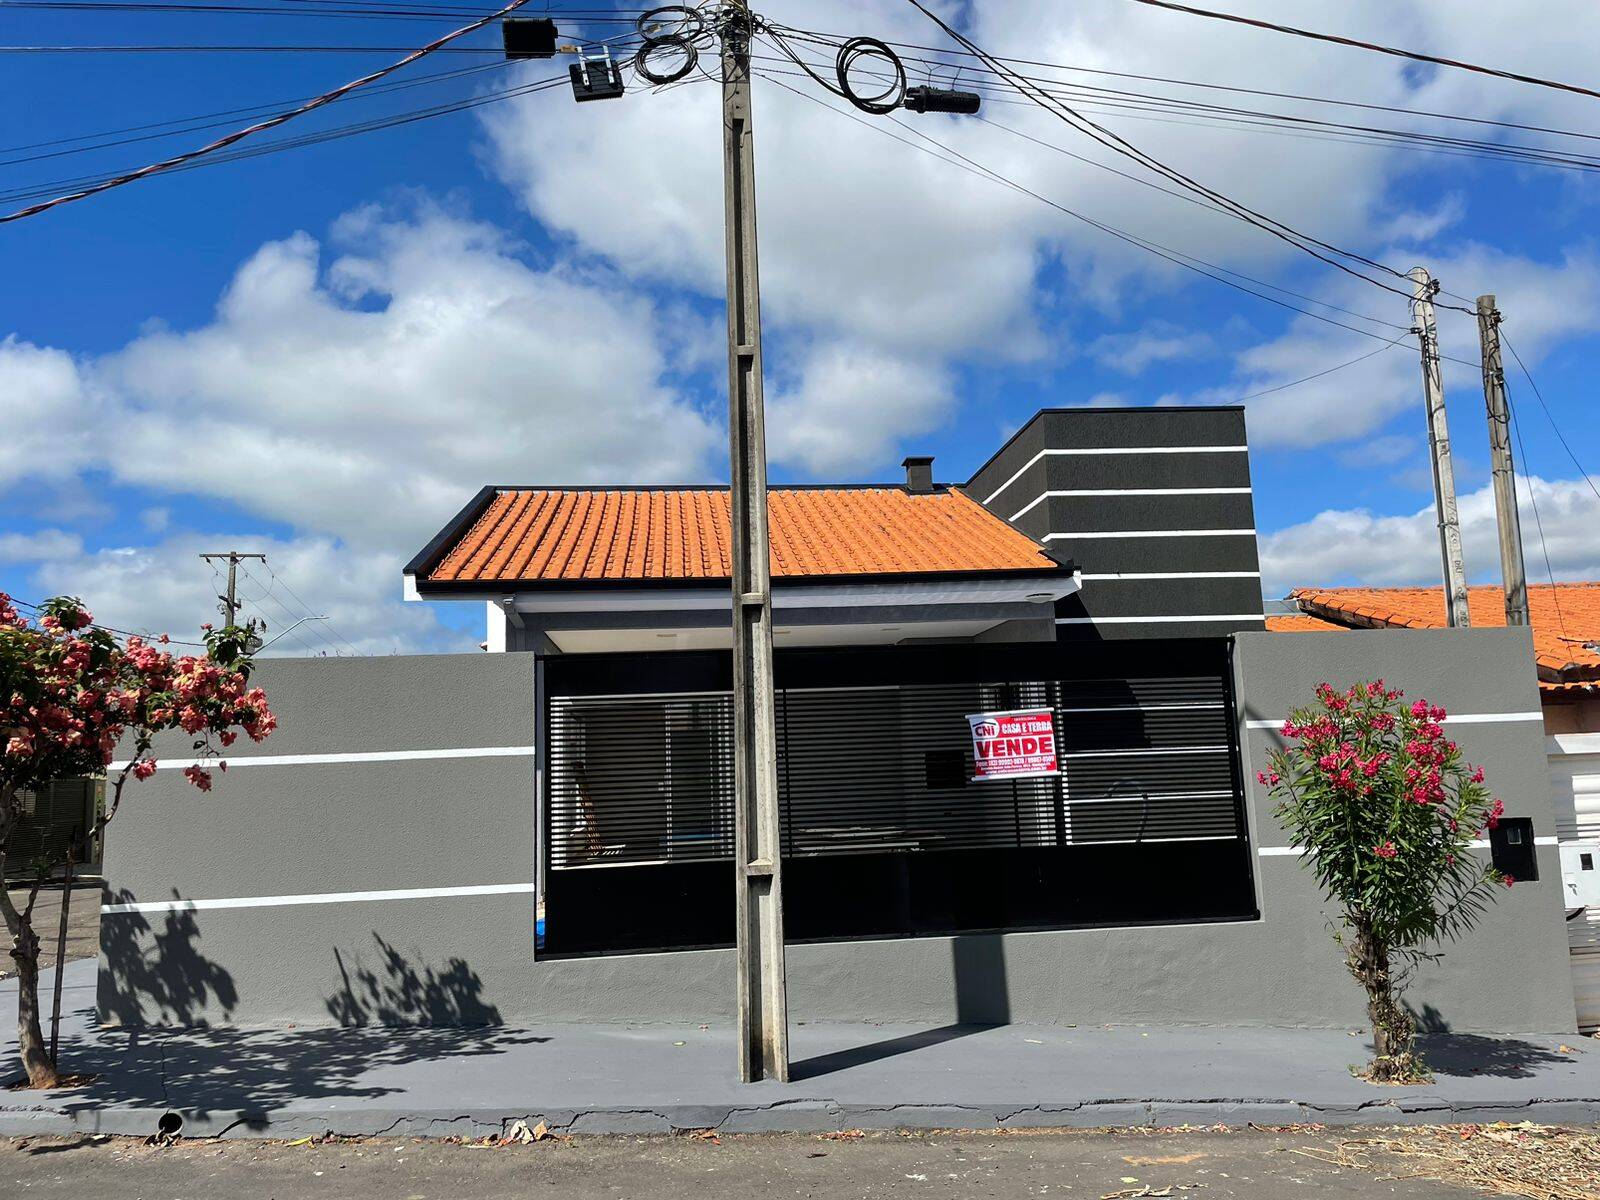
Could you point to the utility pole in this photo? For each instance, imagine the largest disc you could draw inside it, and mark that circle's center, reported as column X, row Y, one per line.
column 1513, row 572
column 229, row 607
column 1444, row 474
column 763, row 994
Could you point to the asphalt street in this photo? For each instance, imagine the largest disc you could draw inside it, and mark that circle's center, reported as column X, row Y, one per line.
column 1247, row 1165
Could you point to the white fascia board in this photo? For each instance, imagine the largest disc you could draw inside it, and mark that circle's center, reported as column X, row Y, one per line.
column 1004, row 590
column 408, row 589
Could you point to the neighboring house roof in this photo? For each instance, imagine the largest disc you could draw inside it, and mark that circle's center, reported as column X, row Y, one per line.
column 1566, row 619
column 1290, row 624
column 660, row 535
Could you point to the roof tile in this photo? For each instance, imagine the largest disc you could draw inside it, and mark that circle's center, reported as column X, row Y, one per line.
column 658, row 534
column 1566, row 617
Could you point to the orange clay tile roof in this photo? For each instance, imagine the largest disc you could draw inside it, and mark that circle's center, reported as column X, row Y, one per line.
column 1292, row 624
column 583, row 535
column 1565, row 618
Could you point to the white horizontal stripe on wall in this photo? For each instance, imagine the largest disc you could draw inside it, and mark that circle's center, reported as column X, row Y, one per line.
column 1183, row 491
column 354, row 756
column 1112, row 576
column 1154, row 620
column 483, row 889
column 1475, row 844
column 1455, row 719
column 1093, row 450
column 1150, row 533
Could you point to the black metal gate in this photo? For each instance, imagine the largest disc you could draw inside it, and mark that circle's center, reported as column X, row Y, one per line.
column 877, row 796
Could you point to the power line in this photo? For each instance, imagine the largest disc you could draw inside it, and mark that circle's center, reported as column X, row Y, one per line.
column 1306, row 243
column 260, row 126
column 296, row 597
column 1177, row 257
column 1533, row 501
column 1130, row 104
column 1548, row 414
column 1212, row 86
column 1307, row 379
column 311, row 139
column 1415, row 55
column 202, row 121
column 113, row 629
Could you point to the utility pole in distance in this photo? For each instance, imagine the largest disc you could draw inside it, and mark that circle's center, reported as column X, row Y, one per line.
column 1444, row 473
column 229, row 607
column 1513, row 571
column 763, row 992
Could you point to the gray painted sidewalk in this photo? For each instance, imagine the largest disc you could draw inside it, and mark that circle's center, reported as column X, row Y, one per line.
column 287, row 1082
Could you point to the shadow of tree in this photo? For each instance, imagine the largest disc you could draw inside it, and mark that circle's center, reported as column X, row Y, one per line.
column 1465, row 1054
column 403, row 995
column 158, row 976
column 397, row 1012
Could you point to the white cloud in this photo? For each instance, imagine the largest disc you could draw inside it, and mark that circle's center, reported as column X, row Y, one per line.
column 45, row 413
column 165, row 588
column 42, row 546
column 369, row 397
column 1356, row 546
column 1544, row 302
column 872, row 241
column 1160, row 341
column 851, row 405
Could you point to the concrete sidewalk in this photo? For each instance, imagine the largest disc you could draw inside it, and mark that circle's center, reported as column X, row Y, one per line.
column 650, row 1079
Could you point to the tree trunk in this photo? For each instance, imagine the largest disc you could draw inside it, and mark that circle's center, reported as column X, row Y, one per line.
column 30, row 1037
column 25, row 953
column 1393, row 1029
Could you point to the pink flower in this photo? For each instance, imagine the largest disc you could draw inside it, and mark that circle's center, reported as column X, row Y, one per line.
column 1385, row 850
column 199, row 776
column 1508, row 880
column 144, row 768
column 1495, row 813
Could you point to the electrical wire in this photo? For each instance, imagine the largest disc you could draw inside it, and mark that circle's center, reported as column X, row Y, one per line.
column 37, row 608
column 1306, row 243
column 1207, row 86
column 1308, row 378
column 1177, row 257
column 295, row 596
column 1414, row 55
column 261, row 126
column 1533, row 501
column 203, row 121
column 311, row 139
column 1561, row 437
column 1123, row 102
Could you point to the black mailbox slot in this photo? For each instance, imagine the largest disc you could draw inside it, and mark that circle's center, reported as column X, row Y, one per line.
column 1511, row 847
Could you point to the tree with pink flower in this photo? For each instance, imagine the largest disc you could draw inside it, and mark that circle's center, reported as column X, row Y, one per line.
column 1385, row 810
column 72, row 697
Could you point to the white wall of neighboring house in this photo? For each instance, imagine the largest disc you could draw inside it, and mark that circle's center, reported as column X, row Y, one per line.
column 1575, row 794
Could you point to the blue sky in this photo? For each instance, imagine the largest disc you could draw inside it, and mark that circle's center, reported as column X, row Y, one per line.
column 321, row 353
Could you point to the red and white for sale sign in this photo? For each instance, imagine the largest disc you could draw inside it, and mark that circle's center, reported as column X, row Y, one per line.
column 1014, row 745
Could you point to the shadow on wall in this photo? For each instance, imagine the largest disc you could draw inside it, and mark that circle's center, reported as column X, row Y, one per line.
column 405, row 995
column 397, row 1012
column 1462, row 1054
column 157, row 976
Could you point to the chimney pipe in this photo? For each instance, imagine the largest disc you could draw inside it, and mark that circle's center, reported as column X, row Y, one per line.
column 919, row 474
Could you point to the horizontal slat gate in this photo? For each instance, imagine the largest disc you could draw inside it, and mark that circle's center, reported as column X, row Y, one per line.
column 648, row 778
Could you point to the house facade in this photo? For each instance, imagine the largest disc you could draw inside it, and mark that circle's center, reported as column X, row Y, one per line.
column 548, row 826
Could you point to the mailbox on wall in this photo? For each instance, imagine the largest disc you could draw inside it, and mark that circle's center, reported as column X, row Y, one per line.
column 1511, row 847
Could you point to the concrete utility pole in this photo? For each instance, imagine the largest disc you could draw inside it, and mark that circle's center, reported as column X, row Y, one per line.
column 763, row 994
column 1444, row 473
column 229, row 607
column 1513, row 572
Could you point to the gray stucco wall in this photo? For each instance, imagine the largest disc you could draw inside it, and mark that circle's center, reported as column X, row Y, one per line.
column 463, row 822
